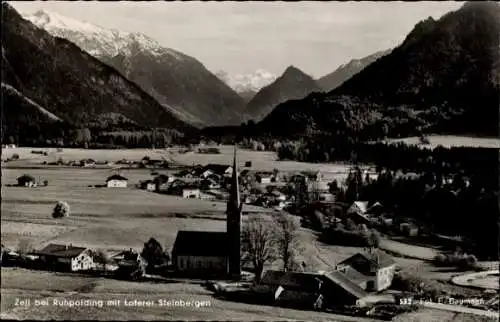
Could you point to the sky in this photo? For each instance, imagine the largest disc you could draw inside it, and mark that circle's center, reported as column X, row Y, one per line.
column 241, row 37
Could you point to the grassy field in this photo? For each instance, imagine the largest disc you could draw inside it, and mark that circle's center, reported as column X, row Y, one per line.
column 25, row 284
column 100, row 216
column 453, row 141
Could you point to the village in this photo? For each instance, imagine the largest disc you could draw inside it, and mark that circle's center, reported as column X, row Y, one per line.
column 361, row 284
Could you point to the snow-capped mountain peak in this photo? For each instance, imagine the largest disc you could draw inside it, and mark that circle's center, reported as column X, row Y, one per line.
column 247, row 82
column 97, row 40
column 52, row 20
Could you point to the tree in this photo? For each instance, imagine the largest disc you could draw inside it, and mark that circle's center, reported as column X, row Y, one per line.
column 259, row 244
column 61, row 210
column 373, row 238
column 287, row 241
column 101, row 257
column 24, row 247
column 153, row 254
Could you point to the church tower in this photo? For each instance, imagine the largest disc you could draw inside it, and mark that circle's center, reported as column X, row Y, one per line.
column 234, row 224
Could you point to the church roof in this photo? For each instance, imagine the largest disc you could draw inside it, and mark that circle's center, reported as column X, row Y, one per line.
column 201, row 243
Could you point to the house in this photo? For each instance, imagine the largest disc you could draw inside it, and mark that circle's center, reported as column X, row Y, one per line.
column 219, row 169
column 88, row 163
column 202, row 253
column 313, row 175
column 409, row 229
column 162, row 182
column 309, row 290
column 208, row 184
column 26, row 181
column 373, row 271
column 116, row 181
column 264, row 177
column 66, row 257
column 148, row 185
column 130, row 264
column 358, row 207
column 291, row 289
column 191, row 192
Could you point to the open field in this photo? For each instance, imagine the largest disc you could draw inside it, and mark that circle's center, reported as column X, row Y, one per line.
column 25, row 284
column 484, row 280
column 453, row 141
column 261, row 161
column 100, row 216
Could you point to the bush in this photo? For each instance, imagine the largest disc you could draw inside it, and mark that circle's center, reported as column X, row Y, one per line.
column 45, row 182
column 61, row 210
column 458, row 260
column 15, row 156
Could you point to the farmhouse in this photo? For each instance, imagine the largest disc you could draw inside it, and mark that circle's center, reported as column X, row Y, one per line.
column 116, row 181
column 26, row 181
column 162, row 182
column 191, row 191
column 292, row 289
column 264, row 177
column 148, row 185
column 66, row 257
column 130, row 264
column 309, row 290
column 372, row 271
column 219, row 169
column 201, row 253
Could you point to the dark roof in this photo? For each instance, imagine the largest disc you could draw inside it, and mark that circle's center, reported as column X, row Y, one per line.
column 190, row 187
column 26, row 177
column 201, row 243
column 60, row 251
column 376, row 260
column 245, row 172
column 116, row 177
column 297, row 297
column 355, row 276
column 292, row 280
column 216, row 168
column 341, row 280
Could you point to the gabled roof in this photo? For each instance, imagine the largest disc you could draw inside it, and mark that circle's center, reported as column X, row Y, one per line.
column 375, row 260
column 305, row 282
column 341, row 280
column 60, row 251
column 201, row 243
column 26, row 177
column 116, row 177
column 355, row 276
column 217, row 168
column 361, row 206
column 297, row 297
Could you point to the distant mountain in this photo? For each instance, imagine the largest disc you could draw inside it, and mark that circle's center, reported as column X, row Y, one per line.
column 247, row 84
column 443, row 78
column 293, row 84
column 48, row 79
column 346, row 71
column 179, row 82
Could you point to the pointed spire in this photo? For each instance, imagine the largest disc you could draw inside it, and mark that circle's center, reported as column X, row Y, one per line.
column 234, row 197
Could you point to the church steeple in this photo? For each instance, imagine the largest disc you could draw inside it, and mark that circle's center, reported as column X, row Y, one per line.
column 234, row 222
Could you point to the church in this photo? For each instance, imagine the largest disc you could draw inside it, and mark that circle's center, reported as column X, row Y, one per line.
column 211, row 253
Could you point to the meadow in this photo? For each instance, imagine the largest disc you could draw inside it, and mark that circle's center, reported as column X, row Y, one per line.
column 25, row 284
column 448, row 141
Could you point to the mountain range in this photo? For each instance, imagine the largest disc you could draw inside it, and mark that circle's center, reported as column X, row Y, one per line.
column 293, row 84
column 47, row 79
column 179, row 82
column 443, row 78
column 344, row 72
column 247, row 85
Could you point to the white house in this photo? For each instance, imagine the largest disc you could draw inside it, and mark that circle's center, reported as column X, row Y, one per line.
column 191, row 192
column 116, row 181
column 67, row 256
